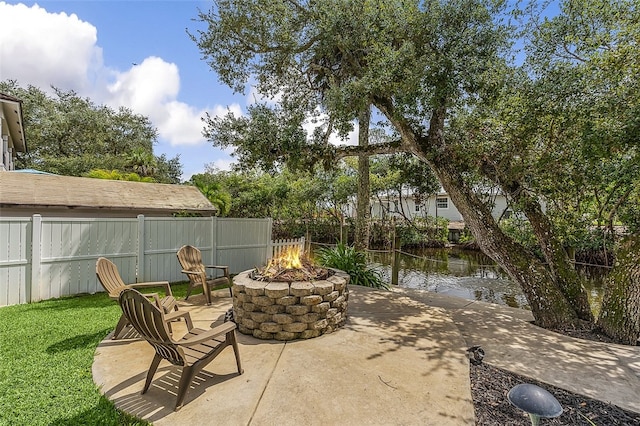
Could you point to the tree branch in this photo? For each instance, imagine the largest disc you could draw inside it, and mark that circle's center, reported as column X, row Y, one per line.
column 379, row 148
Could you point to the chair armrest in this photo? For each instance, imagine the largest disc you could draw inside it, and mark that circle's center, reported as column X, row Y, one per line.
column 164, row 284
column 208, row 335
column 225, row 269
column 188, row 272
column 148, row 295
column 172, row 316
column 154, row 296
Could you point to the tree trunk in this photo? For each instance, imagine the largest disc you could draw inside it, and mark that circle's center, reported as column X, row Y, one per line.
column 563, row 273
column 363, row 197
column 549, row 306
column 620, row 315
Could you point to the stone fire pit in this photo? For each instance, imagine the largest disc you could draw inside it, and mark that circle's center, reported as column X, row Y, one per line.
column 289, row 311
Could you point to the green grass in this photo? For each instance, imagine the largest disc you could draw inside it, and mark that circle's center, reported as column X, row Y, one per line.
column 46, row 353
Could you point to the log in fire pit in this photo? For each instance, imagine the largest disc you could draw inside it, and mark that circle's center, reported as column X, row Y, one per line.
column 290, row 298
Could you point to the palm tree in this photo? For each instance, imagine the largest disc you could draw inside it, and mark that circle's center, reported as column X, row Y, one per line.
column 142, row 162
column 216, row 195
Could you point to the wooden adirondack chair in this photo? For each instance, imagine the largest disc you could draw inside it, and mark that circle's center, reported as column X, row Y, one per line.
column 190, row 259
column 109, row 277
column 193, row 351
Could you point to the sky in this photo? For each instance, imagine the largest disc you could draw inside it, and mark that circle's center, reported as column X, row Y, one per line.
column 131, row 53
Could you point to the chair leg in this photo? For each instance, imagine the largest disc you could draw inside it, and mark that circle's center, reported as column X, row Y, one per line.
column 152, row 370
column 231, row 336
column 207, row 292
column 189, row 289
column 183, row 387
column 122, row 323
column 230, row 292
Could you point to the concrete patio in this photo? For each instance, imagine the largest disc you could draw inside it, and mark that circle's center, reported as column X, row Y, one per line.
column 400, row 359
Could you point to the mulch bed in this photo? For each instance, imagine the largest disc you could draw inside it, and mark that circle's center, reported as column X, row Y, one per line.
column 490, row 385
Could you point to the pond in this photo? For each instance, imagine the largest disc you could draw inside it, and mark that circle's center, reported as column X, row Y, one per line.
column 467, row 274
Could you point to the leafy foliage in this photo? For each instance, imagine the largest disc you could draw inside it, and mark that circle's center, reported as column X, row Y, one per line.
column 117, row 175
column 353, row 262
column 70, row 135
column 563, row 127
column 213, row 191
column 429, row 231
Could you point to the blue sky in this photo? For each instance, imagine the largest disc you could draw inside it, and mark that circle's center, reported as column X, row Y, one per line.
column 123, row 53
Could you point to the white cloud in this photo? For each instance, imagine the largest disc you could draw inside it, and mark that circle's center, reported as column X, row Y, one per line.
column 352, row 137
column 44, row 49
column 255, row 97
column 223, row 164
column 151, row 89
column 146, row 88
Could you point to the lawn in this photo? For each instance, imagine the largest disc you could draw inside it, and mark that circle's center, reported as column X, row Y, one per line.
column 46, row 353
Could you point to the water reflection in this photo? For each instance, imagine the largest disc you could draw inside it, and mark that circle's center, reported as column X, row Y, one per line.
column 467, row 274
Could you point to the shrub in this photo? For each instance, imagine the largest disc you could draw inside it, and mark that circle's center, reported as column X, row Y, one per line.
column 353, row 262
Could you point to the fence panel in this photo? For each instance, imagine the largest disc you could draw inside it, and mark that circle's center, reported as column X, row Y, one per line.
column 43, row 258
column 279, row 247
column 70, row 247
column 242, row 243
column 15, row 264
column 163, row 237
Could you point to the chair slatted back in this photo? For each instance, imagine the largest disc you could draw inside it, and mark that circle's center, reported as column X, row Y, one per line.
column 109, row 276
column 149, row 322
column 190, row 259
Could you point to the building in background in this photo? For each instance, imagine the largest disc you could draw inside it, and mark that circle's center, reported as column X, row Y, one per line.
column 12, row 137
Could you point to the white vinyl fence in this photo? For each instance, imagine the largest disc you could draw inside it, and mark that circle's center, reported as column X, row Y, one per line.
column 43, row 258
column 279, row 247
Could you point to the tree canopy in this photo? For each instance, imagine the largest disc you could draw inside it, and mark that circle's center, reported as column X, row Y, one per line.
column 441, row 74
column 71, row 135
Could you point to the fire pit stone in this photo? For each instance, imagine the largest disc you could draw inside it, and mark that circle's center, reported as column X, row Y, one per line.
column 289, row 311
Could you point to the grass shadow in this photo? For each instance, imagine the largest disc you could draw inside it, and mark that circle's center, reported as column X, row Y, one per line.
column 81, row 341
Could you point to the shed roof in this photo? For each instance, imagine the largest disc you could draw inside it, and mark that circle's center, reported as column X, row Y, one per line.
column 27, row 190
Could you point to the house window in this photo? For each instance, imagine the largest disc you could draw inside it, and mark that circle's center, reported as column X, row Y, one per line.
column 417, row 207
column 442, row 202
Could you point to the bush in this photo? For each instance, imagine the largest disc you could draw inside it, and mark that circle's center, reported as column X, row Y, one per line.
column 353, row 262
column 423, row 232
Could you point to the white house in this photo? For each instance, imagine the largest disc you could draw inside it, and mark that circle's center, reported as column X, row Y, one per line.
column 435, row 205
column 12, row 138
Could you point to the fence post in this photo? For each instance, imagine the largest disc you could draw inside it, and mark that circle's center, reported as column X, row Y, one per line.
column 395, row 268
column 33, row 289
column 214, row 240
column 141, row 246
column 269, row 250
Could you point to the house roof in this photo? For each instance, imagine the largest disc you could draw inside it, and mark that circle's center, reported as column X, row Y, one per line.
column 28, row 190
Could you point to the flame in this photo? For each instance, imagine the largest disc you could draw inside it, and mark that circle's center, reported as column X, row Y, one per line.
column 290, row 265
column 289, row 259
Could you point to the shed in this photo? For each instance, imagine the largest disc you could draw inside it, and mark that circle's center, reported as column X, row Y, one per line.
column 26, row 194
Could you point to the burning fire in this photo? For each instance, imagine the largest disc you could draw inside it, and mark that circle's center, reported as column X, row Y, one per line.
column 290, row 258
column 291, row 265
